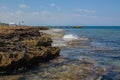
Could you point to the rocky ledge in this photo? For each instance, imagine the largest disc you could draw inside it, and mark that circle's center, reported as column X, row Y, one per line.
column 23, row 47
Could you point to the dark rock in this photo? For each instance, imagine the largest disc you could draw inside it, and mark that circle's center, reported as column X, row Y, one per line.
column 23, row 48
column 44, row 41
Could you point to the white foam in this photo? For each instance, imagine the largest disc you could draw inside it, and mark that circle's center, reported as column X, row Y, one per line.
column 57, row 30
column 70, row 37
column 59, row 43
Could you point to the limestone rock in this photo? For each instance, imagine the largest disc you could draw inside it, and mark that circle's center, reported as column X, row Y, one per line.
column 23, row 48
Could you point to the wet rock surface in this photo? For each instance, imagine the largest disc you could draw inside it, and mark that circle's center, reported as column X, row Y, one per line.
column 22, row 48
column 65, row 69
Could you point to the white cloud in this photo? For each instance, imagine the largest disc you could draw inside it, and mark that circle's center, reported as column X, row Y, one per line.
column 84, row 10
column 55, row 6
column 24, row 6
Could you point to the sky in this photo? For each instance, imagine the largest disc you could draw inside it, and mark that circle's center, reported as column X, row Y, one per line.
column 61, row 12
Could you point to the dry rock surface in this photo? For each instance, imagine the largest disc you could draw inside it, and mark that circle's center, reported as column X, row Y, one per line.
column 23, row 47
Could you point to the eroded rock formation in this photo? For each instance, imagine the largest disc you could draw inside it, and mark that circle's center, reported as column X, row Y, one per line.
column 22, row 48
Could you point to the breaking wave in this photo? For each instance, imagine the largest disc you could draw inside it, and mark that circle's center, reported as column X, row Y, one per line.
column 70, row 37
column 57, row 30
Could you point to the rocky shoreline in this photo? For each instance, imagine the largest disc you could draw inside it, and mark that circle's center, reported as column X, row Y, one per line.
column 23, row 47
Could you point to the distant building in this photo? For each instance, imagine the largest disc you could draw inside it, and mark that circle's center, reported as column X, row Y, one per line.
column 12, row 24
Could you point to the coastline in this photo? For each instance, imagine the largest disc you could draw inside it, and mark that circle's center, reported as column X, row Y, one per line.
column 78, row 58
column 42, row 47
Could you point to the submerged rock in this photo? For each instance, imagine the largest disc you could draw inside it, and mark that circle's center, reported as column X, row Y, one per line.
column 23, row 48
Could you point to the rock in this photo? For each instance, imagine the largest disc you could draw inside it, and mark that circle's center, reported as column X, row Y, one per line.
column 23, row 48
column 44, row 41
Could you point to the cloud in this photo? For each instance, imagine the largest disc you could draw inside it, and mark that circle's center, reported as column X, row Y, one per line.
column 55, row 6
column 35, row 13
column 86, row 16
column 45, row 13
column 84, row 10
column 47, row 17
column 19, row 12
column 85, row 13
column 23, row 6
column 44, row 17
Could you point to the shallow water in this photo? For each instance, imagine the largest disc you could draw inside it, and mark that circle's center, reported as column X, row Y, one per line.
column 92, row 54
column 102, row 48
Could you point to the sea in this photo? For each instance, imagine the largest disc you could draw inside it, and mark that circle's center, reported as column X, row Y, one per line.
column 103, row 46
column 88, row 53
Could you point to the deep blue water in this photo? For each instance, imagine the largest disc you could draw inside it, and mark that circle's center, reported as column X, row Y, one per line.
column 102, row 27
column 104, row 34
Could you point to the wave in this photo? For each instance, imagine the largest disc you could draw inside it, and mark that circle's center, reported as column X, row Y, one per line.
column 57, row 30
column 70, row 37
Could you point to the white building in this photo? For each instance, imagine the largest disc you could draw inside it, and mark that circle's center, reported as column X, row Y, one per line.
column 12, row 24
